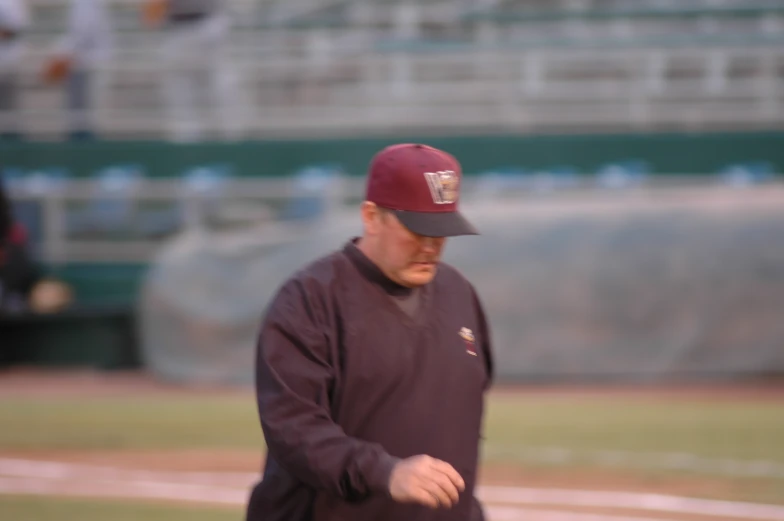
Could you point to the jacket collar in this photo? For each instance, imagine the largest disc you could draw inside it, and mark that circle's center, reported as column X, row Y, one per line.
column 372, row 272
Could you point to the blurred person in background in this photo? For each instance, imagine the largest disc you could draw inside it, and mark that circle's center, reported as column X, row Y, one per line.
column 199, row 83
column 18, row 272
column 87, row 44
column 23, row 285
column 14, row 20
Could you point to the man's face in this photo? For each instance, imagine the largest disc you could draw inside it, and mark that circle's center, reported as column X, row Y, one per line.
column 405, row 257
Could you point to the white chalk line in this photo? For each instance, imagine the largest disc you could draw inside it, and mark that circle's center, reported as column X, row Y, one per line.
column 645, row 460
column 527, row 514
column 19, row 476
column 61, row 471
column 218, row 495
column 122, row 489
column 631, row 500
column 155, row 491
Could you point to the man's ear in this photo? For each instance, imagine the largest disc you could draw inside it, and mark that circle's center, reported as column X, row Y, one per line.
column 371, row 217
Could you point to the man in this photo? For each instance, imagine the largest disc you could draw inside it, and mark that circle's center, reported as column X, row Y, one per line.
column 373, row 362
column 86, row 46
column 200, row 82
column 18, row 272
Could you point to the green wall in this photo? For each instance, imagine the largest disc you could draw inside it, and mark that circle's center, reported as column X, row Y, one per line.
column 102, row 284
column 665, row 152
column 101, row 337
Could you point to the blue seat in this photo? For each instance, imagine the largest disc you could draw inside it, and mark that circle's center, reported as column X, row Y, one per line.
column 746, row 174
column 621, row 174
column 558, row 177
column 495, row 181
column 311, row 190
column 206, row 182
column 36, row 181
column 111, row 210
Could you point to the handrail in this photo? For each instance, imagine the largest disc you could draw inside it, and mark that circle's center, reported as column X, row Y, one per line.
column 660, row 42
column 512, row 16
column 58, row 248
column 307, row 21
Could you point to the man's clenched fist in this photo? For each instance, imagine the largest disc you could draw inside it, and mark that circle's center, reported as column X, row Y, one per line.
column 427, row 481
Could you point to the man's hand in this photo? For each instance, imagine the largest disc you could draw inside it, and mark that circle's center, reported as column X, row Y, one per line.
column 427, row 481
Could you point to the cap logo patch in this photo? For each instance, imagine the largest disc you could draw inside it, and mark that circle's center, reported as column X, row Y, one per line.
column 443, row 186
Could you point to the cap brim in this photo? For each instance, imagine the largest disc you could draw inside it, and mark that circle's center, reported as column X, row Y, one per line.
column 436, row 224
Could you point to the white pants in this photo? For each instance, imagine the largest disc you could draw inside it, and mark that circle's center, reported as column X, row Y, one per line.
column 200, row 86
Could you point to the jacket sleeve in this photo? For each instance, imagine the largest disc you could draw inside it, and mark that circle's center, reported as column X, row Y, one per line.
column 477, row 511
column 295, row 375
column 485, row 337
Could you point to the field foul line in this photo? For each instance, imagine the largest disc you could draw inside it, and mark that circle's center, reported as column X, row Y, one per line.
column 631, row 500
column 238, row 498
column 524, row 514
column 504, row 503
column 645, row 460
column 70, row 471
column 217, row 495
column 233, row 497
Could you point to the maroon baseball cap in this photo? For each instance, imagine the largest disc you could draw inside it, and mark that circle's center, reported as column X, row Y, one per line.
column 421, row 185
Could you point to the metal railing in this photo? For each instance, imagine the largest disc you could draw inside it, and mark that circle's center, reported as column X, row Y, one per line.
column 77, row 221
column 516, row 89
column 355, row 78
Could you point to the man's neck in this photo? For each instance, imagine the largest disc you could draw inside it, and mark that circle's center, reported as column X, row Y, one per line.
column 362, row 245
column 370, row 252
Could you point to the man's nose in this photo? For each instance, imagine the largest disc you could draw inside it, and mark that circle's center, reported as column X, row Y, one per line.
column 430, row 244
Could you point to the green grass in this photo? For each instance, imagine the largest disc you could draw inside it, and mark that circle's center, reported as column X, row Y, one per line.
column 516, row 427
column 33, row 508
column 706, row 428
column 160, row 422
column 645, row 432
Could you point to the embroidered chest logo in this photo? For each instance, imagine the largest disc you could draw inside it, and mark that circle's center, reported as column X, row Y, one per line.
column 468, row 337
column 443, row 186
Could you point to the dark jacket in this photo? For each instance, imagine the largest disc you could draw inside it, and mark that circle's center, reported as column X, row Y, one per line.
column 18, row 272
column 348, row 383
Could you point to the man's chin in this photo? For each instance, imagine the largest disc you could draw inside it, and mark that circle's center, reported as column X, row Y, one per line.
column 420, row 275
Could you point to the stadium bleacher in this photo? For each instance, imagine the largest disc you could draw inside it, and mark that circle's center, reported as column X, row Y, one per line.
column 308, row 67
